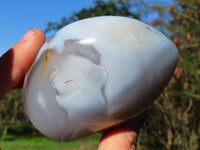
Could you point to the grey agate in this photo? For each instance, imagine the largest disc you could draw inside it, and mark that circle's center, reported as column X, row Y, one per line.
column 96, row 73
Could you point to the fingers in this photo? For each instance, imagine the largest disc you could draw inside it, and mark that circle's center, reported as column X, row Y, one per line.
column 122, row 137
column 17, row 61
column 119, row 139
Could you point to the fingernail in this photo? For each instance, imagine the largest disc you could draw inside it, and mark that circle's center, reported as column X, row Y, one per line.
column 28, row 35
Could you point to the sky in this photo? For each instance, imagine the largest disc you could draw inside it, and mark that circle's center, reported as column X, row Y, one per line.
column 18, row 16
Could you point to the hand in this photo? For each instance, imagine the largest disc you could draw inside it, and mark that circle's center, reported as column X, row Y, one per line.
column 123, row 136
column 17, row 61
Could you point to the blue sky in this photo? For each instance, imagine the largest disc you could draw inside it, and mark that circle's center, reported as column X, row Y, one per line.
column 18, row 16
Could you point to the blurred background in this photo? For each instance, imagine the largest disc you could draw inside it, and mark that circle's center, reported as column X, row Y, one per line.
column 173, row 119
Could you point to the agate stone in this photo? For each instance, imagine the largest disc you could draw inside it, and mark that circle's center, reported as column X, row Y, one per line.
column 96, row 73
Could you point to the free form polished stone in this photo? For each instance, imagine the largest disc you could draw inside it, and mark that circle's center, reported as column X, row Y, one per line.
column 96, row 73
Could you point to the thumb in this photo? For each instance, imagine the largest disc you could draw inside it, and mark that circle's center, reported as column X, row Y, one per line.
column 17, row 60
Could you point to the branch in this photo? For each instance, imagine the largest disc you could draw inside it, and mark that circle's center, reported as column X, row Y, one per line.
column 192, row 95
column 163, row 111
column 189, row 106
column 189, row 18
column 193, row 46
column 185, row 113
column 161, row 139
column 159, row 106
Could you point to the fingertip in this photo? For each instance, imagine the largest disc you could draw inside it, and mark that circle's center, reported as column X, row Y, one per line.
column 33, row 34
column 40, row 34
column 18, row 60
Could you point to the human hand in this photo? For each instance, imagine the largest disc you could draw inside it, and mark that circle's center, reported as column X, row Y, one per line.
column 123, row 136
column 17, row 61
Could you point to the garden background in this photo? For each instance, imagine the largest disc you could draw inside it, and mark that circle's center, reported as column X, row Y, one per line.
column 173, row 119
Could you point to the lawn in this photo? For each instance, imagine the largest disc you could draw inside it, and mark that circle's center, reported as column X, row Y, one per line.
column 42, row 143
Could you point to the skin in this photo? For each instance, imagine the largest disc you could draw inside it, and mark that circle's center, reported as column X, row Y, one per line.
column 17, row 61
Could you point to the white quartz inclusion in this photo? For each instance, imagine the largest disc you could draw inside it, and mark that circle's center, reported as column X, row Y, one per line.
column 73, row 87
column 96, row 73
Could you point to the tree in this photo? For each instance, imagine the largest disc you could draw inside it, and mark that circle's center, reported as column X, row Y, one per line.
column 173, row 121
column 176, row 113
column 13, row 119
column 9, row 109
column 11, row 106
column 100, row 8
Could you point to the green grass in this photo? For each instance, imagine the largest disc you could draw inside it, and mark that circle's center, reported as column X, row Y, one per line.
column 42, row 143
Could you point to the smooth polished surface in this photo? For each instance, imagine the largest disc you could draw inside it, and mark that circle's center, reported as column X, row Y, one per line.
column 96, row 73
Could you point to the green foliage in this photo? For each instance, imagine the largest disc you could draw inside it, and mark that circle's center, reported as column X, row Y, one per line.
column 100, row 8
column 175, row 115
column 173, row 120
column 42, row 143
column 13, row 119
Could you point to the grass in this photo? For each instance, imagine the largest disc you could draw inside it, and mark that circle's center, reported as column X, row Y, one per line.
column 42, row 143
